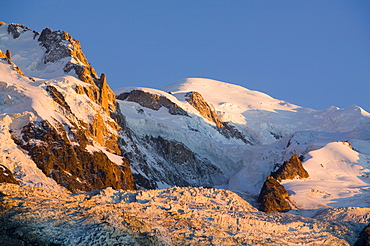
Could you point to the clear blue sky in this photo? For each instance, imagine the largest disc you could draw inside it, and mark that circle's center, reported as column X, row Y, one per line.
column 312, row 53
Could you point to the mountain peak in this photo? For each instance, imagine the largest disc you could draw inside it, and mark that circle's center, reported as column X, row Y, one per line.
column 229, row 100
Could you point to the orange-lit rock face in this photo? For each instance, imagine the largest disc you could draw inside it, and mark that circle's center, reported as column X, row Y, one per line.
column 7, row 57
column 57, row 145
column 272, row 197
column 196, row 100
column 59, row 45
column 72, row 165
column 6, row 176
column 291, row 169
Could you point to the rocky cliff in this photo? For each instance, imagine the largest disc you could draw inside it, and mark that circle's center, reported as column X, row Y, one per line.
column 77, row 148
column 72, row 165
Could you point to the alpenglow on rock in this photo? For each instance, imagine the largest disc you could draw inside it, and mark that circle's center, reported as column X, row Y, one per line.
column 64, row 124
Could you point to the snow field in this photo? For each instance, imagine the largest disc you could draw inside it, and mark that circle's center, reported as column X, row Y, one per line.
column 336, row 179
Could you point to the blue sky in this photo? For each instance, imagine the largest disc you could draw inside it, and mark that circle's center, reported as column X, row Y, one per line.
column 311, row 53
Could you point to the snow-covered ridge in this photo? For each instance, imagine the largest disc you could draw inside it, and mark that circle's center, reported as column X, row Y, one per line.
column 276, row 128
column 258, row 115
column 53, row 109
column 222, row 94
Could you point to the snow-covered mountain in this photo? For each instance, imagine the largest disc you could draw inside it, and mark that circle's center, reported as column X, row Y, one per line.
column 64, row 131
column 56, row 114
column 272, row 130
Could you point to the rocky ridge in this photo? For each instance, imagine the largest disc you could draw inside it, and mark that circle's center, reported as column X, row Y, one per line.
column 152, row 101
column 75, row 150
column 7, row 57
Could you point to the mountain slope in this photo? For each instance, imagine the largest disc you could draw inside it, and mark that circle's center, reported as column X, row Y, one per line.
column 62, row 125
column 68, row 141
column 273, row 129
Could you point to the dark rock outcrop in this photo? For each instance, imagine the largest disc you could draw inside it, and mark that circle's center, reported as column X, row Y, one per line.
column 152, row 101
column 230, row 131
column 273, row 197
column 171, row 163
column 58, row 98
column 6, row 176
column 71, row 165
column 364, row 238
column 17, row 29
column 59, row 45
column 291, row 169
